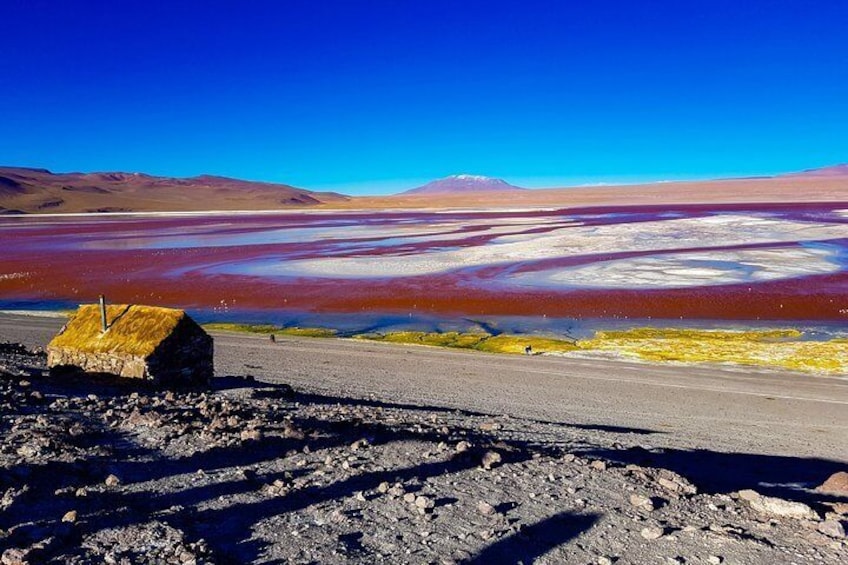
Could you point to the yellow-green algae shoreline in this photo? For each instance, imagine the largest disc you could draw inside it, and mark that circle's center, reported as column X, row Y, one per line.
column 776, row 348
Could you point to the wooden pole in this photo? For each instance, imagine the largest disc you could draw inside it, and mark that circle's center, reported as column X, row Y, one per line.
column 103, row 325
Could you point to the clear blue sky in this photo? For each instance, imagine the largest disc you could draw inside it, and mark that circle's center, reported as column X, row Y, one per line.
column 373, row 96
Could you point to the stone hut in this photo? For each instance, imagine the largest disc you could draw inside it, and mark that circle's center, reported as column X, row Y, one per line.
column 162, row 345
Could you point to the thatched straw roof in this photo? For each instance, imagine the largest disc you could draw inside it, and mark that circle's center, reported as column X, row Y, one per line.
column 133, row 330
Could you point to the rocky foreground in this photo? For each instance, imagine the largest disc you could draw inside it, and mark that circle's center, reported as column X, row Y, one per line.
column 99, row 472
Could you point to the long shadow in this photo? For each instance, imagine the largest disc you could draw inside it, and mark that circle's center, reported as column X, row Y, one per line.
column 793, row 478
column 228, row 530
column 231, row 382
column 371, row 403
column 536, row 540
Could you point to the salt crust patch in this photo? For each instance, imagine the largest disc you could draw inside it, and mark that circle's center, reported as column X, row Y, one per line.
column 681, row 270
column 665, row 235
column 416, row 232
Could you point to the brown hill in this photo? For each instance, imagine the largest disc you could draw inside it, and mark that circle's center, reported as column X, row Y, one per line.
column 25, row 190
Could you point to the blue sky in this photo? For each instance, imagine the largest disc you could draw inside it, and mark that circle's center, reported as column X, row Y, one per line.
column 379, row 96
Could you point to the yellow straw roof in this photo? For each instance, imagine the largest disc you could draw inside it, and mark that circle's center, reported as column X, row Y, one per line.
column 133, row 329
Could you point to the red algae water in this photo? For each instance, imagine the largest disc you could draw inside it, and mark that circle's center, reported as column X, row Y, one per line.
column 734, row 262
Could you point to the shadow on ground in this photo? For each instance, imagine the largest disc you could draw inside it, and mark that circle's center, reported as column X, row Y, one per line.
column 792, row 478
column 201, row 511
column 535, row 540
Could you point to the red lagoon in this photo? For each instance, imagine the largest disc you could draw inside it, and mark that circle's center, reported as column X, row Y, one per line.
column 740, row 262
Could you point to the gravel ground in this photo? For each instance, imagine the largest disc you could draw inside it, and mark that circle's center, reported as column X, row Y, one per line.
column 104, row 472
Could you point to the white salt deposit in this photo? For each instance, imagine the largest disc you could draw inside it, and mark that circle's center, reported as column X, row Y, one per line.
column 343, row 231
column 664, row 235
column 681, row 270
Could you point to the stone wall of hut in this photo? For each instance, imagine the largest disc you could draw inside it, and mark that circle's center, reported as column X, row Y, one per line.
column 128, row 366
column 184, row 356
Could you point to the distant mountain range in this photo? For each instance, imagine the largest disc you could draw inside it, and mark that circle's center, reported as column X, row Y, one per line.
column 26, row 190
column 461, row 184
column 832, row 171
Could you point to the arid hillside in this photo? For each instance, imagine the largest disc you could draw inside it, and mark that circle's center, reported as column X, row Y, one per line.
column 38, row 191
column 24, row 190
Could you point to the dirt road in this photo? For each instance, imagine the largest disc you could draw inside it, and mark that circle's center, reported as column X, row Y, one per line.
column 715, row 408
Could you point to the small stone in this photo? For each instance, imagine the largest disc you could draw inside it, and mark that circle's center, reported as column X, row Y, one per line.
column 778, row 506
column 490, row 426
column 490, row 459
column 291, row 431
column 462, row 447
column 360, row 497
column 837, row 483
column 640, row 501
column 485, row 508
column 832, row 528
column 424, row 502
column 15, row 556
column 112, row 481
column 668, row 484
column 598, row 465
column 748, row 494
column 359, row 444
column 604, row 560
column 715, row 559
column 250, row 435
column 70, row 517
column 409, row 497
column 28, row 450
column 383, row 487
column 652, row 533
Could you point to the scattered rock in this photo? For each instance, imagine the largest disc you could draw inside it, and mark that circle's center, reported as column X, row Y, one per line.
column 837, row 483
column 70, row 517
column 485, row 508
column 832, row 528
column 652, row 532
column 462, row 446
column 777, row 506
column 424, row 502
column 250, row 435
column 15, row 556
column 397, row 490
column 641, row 502
column 598, row 465
column 359, row 444
column 676, row 484
column 112, row 481
column 490, row 459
